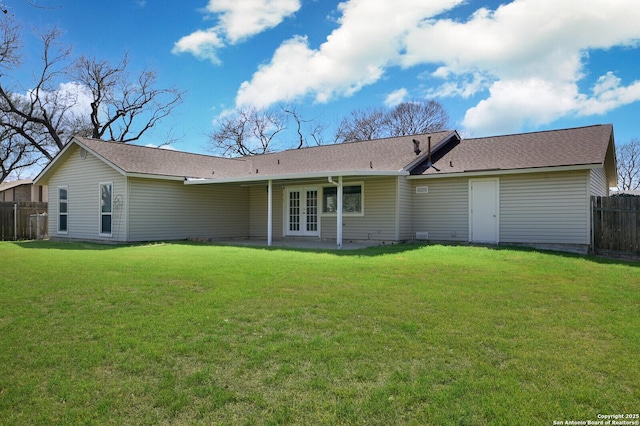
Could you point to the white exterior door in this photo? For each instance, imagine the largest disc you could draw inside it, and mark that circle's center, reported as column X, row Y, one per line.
column 484, row 210
column 302, row 212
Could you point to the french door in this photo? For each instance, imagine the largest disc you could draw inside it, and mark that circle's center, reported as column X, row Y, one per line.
column 302, row 212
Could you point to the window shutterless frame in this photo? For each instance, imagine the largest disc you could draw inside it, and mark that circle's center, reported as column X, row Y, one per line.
column 63, row 209
column 352, row 199
column 106, row 208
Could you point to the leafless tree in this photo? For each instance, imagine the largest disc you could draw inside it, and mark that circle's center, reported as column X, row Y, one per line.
column 9, row 43
column 247, row 131
column 122, row 107
column 413, row 118
column 362, row 124
column 407, row 118
column 306, row 129
column 15, row 154
column 252, row 131
column 628, row 159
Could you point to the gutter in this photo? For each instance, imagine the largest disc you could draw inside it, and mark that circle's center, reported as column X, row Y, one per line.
column 489, row 172
column 322, row 175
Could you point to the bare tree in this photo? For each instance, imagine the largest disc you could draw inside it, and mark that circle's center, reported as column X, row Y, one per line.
column 407, row 118
column 362, row 124
column 15, row 154
column 247, row 131
column 413, row 118
column 628, row 159
column 9, row 43
column 38, row 115
column 306, row 129
column 122, row 108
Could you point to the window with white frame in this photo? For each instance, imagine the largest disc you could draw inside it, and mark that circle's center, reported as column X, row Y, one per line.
column 63, row 209
column 351, row 199
column 106, row 208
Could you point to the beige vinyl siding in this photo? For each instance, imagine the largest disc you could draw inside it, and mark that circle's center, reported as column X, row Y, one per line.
column 547, row 208
column 443, row 212
column 258, row 211
column 171, row 210
column 598, row 183
column 82, row 177
column 404, row 213
column 378, row 221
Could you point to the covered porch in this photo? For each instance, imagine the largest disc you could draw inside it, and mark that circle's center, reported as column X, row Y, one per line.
column 317, row 210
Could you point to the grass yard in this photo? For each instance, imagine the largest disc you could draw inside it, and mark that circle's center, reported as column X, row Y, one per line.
column 407, row 334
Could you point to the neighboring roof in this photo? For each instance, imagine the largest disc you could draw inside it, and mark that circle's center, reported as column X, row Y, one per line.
column 585, row 146
column 8, row 185
column 555, row 148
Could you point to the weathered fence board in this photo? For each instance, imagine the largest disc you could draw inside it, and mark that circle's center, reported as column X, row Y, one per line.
column 31, row 220
column 616, row 225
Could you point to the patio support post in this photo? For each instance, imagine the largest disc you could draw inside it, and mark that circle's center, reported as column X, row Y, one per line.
column 270, row 213
column 339, row 224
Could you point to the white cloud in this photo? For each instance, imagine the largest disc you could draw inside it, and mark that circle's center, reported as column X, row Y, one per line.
column 396, row 97
column 242, row 19
column 526, row 58
column 607, row 94
column 369, row 39
column 531, row 54
column 201, row 44
column 513, row 104
column 463, row 86
column 237, row 21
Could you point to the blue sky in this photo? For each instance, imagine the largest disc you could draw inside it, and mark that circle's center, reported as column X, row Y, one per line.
column 497, row 67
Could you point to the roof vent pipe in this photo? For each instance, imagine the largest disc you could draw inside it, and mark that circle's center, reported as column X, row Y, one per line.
column 416, row 146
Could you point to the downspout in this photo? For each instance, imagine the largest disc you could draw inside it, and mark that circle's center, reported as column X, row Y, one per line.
column 270, row 214
column 339, row 215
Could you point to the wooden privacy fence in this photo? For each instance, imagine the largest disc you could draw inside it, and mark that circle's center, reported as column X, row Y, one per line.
column 616, row 225
column 23, row 221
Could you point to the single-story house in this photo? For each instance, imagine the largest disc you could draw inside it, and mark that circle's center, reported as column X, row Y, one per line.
column 529, row 189
column 22, row 190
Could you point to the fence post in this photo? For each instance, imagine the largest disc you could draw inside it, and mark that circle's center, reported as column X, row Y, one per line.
column 593, row 226
column 15, row 222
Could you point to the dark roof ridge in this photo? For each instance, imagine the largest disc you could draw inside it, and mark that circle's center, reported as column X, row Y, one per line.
column 538, row 132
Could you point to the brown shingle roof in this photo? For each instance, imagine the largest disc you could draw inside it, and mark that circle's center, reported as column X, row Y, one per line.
column 381, row 155
column 567, row 147
column 161, row 162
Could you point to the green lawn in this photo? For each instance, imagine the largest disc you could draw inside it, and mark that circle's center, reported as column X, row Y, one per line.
column 407, row 334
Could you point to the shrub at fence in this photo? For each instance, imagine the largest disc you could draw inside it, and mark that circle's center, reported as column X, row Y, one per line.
column 31, row 221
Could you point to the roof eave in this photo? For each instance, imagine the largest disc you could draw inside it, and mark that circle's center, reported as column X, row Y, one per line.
column 154, row 176
column 257, row 178
column 473, row 173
